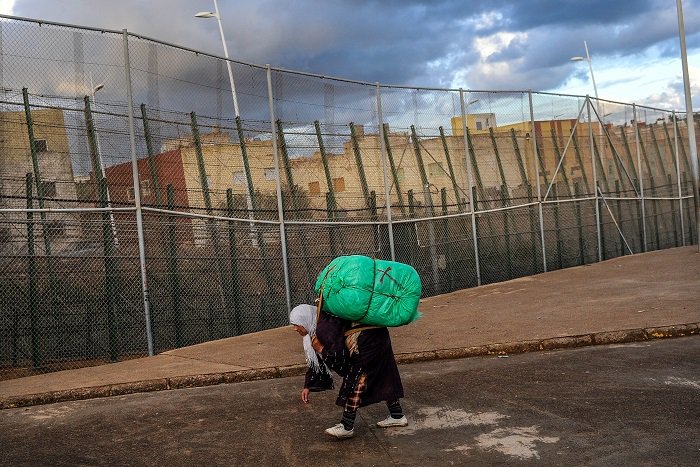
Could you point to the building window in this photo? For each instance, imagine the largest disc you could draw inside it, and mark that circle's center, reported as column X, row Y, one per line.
column 239, row 178
column 339, row 184
column 146, row 187
column 314, row 188
column 400, row 174
column 48, row 189
column 130, row 193
column 270, row 174
column 435, row 170
column 40, row 145
column 479, row 126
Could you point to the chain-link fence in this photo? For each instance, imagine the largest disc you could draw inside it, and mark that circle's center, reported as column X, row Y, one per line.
column 141, row 211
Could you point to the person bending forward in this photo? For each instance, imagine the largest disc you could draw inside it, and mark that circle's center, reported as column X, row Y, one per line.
column 364, row 359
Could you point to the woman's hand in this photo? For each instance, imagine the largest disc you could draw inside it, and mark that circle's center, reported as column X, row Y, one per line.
column 305, row 395
column 316, row 344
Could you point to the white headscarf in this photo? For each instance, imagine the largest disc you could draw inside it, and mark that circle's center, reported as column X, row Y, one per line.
column 305, row 315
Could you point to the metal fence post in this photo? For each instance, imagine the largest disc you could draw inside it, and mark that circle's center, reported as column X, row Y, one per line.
column 678, row 175
column 358, row 162
column 451, row 169
column 137, row 196
column 387, row 194
column 46, row 234
column 690, row 118
column 278, row 188
column 326, row 168
column 641, row 178
column 579, row 225
column 233, row 259
column 533, row 135
column 152, row 164
column 446, row 240
column 595, row 178
column 33, row 275
column 470, row 181
column 173, row 277
column 111, row 279
column 394, row 174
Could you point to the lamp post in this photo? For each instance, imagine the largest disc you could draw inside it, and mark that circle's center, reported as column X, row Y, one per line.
column 94, row 90
column 217, row 15
column 689, row 115
column 466, row 110
column 249, row 195
column 587, row 58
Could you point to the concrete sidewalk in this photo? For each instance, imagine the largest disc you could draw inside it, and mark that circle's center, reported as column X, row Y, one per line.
column 626, row 299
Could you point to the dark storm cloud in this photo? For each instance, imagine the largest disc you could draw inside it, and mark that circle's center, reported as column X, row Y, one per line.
column 535, row 13
column 428, row 43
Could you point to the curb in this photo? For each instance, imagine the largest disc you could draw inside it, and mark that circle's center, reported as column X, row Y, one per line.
column 192, row 381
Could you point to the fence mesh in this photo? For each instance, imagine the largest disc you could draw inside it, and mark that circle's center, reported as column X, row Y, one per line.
column 468, row 187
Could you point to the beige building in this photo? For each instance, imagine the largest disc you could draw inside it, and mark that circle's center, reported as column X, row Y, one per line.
column 503, row 155
column 224, row 169
column 57, row 181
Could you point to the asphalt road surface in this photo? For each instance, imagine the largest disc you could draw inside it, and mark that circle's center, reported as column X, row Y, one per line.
column 634, row 404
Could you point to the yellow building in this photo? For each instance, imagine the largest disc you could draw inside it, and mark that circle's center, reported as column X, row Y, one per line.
column 57, row 181
column 476, row 123
column 503, row 156
column 224, row 169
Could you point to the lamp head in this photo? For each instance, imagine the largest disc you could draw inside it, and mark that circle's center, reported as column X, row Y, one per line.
column 205, row 14
column 98, row 87
column 577, row 59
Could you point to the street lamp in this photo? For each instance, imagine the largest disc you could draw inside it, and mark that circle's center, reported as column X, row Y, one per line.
column 94, row 90
column 587, row 58
column 217, row 15
column 689, row 115
column 466, row 110
column 249, row 195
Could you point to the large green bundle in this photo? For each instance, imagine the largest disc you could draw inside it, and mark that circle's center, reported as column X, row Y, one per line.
column 370, row 291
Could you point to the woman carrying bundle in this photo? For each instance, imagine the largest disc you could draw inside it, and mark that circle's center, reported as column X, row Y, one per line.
column 362, row 356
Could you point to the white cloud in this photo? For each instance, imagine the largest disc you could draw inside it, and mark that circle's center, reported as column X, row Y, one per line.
column 486, row 20
column 487, row 46
column 7, row 7
column 489, row 70
column 673, row 95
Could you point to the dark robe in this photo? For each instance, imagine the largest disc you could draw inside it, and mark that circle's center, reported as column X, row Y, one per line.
column 375, row 360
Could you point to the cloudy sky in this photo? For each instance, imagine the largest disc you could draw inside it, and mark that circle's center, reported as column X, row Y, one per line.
column 474, row 44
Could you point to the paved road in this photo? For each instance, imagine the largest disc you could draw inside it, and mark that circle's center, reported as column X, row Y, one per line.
column 633, row 404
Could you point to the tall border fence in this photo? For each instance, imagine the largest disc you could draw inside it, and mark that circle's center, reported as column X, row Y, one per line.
column 139, row 212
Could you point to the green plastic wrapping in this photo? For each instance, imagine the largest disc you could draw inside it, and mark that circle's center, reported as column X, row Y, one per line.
column 370, row 291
